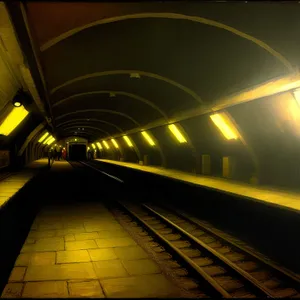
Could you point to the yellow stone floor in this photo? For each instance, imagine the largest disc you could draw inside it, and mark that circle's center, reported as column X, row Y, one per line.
column 82, row 251
column 12, row 184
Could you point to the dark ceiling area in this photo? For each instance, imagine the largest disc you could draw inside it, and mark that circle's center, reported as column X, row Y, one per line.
column 115, row 67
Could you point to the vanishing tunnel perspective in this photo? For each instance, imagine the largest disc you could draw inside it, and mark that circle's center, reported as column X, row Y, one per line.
column 149, row 149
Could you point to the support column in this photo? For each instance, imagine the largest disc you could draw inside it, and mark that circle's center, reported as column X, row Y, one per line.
column 229, row 164
column 146, row 160
column 206, row 165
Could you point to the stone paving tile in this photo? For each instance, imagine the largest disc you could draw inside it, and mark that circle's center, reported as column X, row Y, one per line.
column 29, row 241
column 46, row 289
column 17, row 274
column 105, row 234
column 98, row 226
column 12, row 290
column 23, row 260
column 50, row 226
column 90, row 289
column 66, row 231
column 63, row 257
column 47, row 244
column 41, row 234
column 109, row 269
column 42, row 258
column 115, row 242
column 86, row 236
column 102, row 254
column 69, row 237
column 81, row 245
column 35, row 258
column 130, row 253
column 83, row 271
column 141, row 267
column 155, row 285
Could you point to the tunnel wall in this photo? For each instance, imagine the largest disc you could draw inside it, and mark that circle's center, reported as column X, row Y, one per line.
column 268, row 152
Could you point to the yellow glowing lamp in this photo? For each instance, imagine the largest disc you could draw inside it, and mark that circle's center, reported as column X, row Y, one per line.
column 43, row 137
column 88, row 148
column 297, row 95
column 128, row 141
column 47, row 139
column 15, row 117
column 99, row 146
column 115, row 143
column 148, row 138
column 179, row 136
column 105, row 145
column 51, row 141
column 224, row 126
column 93, row 145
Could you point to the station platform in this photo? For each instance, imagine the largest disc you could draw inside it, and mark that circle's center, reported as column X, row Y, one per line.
column 280, row 198
column 16, row 181
column 76, row 248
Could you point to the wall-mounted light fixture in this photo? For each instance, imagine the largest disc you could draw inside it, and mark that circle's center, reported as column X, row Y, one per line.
column 51, row 141
column 128, row 141
column 47, row 140
column 148, row 138
column 14, row 118
column 225, row 126
column 178, row 135
column 99, row 145
column 115, row 143
column 42, row 138
column 297, row 95
column 93, row 145
column 105, row 145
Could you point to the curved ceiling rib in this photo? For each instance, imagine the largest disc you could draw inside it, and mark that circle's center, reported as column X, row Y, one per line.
column 130, row 95
column 88, row 127
column 99, row 110
column 196, row 19
column 81, row 135
column 81, row 121
column 121, row 72
column 71, row 131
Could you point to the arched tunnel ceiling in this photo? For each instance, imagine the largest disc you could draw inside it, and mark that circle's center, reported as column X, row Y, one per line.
column 187, row 55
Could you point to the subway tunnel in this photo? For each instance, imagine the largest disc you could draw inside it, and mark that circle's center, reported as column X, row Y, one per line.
column 149, row 149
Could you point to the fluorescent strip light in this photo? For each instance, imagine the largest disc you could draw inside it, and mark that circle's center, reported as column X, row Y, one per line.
column 15, row 117
column 181, row 139
column 128, row 141
column 148, row 138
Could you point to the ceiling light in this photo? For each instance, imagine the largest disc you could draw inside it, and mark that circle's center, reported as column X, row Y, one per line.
column 15, row 117
column 99, row 145
column 43, row 137
column 115, row 143
column 128, row 141
column 106, row 145
column 224, row 126
column 297, row 95
column 148, row 138
column 181, row 139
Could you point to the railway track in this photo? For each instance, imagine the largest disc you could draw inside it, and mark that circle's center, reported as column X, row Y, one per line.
column 220, row 266
column 223, row 268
